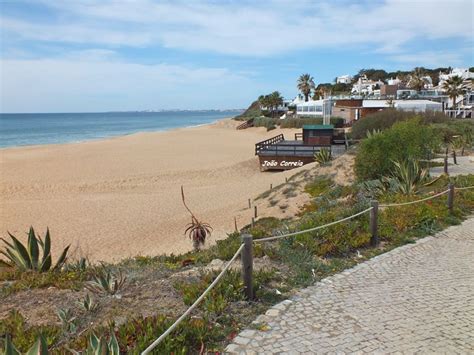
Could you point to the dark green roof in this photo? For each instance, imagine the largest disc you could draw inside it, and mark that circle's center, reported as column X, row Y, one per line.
column 318, row 126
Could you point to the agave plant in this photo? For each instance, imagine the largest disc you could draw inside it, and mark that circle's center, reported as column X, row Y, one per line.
column 197, row 231
column 79, row 265
column 27, row 257
column 68, row 320
column 372, row 133
column 323, row 157
column 106, row 281
column 100, row 346
column 87, row 304
column 40, row 347
column 409, row 176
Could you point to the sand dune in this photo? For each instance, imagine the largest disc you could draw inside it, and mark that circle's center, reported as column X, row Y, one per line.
column 120, row 197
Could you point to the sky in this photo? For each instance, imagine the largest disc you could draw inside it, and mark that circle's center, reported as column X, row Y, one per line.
column 119, row 55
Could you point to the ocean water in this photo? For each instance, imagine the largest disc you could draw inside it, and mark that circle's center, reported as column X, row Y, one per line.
column 22, row 129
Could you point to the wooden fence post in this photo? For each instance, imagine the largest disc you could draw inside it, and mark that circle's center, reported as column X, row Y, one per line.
column 374, row 239
column 455, row 161
column 247, row 265
column 286, row 179
column 450, row 197
column 255, row 211
column 250, row 205
column 446, row 165
column 271, row 186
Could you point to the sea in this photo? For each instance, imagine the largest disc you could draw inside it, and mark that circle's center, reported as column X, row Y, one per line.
column 22, row 129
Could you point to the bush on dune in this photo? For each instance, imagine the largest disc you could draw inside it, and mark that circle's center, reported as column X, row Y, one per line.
column 387, row 118
column 405, row 140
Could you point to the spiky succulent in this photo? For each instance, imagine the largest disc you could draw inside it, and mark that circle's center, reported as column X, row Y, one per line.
column 87, row 304
column 197, row 231
column 29, row 257
column 100, row 346
column 323, row 156
column 106, row 281
column 40, row 347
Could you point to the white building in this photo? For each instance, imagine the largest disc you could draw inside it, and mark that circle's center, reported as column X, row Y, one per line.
column 462, row 72
column 393, row 81
column 315, row 108
column 404, row 105
column 344, row 79
column 365, row 86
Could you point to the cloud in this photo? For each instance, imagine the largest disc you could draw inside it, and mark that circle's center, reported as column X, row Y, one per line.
column 68, row 85
column 263, row 28
column 428, row 59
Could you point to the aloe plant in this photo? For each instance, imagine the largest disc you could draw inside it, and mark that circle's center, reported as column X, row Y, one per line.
column 40, row 347
column 197, row 230
column 106, row 281
column 323, row 157
column 28, row 257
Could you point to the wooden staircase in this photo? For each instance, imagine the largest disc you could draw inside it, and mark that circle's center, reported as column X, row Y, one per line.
column 246, row 124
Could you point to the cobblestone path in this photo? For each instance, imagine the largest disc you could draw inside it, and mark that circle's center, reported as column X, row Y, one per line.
column 418, row 298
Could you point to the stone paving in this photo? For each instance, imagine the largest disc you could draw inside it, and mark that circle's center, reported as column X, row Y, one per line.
column 418, row 298
column 465, row 166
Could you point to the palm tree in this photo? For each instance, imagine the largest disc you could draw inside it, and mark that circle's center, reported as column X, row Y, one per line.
column 305, row 85
column 416, row 79
column 276, row 100
column 453, row 87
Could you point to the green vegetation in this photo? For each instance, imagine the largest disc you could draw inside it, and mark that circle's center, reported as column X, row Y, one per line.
column 408, row 176
column 252, row 111
column 271, row 102
column 387, row 118
column 323, row 157
column 405, row 140
column 27, row 257
column 106, row 281
column 40, row 347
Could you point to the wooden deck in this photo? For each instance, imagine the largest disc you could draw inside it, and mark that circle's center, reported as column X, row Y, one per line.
column 277, row 153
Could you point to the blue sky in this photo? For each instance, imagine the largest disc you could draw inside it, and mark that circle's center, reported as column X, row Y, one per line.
column 100, row 55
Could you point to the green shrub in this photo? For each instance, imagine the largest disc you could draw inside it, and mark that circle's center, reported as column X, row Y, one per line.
column 404, row 141
column 387, row 118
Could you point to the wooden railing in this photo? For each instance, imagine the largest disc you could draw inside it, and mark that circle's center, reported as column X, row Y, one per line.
column 246, row 124
column 298, row 136
column 293, row 149
column 263, row 144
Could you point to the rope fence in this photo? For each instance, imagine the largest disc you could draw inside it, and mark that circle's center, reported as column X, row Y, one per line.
column 194, row 305
column 464, row 188
column 246, row 252
column 413, row 202
column 312, row 229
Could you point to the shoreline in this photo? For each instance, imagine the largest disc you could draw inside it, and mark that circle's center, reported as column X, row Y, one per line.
column 120, row 197
column 116, row 136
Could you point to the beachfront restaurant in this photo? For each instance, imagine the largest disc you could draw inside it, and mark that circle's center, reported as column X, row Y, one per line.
column 278, row 153
column 314, row 108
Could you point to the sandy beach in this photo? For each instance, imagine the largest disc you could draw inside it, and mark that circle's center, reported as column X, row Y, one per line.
column 120, row 197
